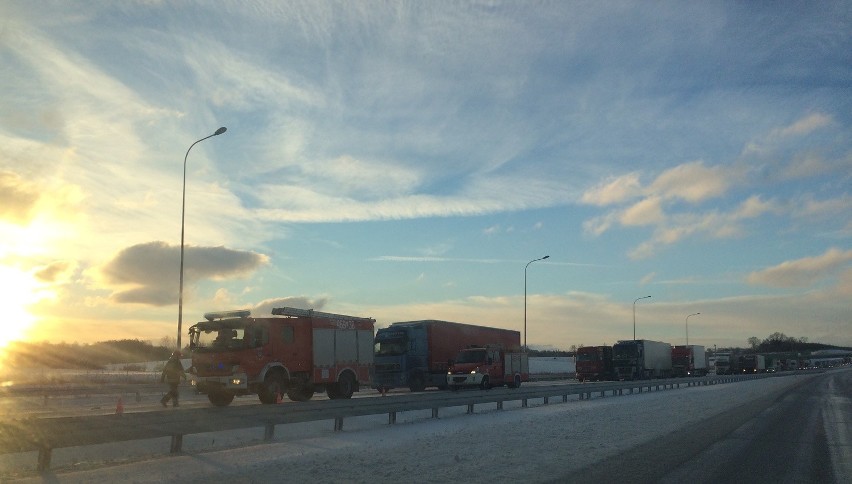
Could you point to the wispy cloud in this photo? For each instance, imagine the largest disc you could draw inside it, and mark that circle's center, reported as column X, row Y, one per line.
column 802, row 272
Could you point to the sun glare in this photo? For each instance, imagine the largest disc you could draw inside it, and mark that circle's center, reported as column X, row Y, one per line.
column 20, row 290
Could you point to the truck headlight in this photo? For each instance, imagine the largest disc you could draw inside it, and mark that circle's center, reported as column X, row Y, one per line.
column 236, row 381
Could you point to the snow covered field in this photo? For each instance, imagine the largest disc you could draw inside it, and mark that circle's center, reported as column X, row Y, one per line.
column 540, row 443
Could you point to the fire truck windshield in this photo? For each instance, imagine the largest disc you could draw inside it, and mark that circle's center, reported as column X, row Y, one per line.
column 211, row 337
column 471, row 356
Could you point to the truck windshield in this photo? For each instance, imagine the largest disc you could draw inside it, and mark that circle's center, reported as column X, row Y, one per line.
column 624, row 351
column 391, row 347
column 217, row 337
column 587, row 356
column 471, row 356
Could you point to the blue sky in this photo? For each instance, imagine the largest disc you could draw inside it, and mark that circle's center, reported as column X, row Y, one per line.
column 406, row 160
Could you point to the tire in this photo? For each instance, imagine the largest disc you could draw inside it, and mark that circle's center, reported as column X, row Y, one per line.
column 517, row 382
column 273, row 387
column 416, row 383
column 300, row 393
column 485, row 385
column 220, row 398
column 345, row 387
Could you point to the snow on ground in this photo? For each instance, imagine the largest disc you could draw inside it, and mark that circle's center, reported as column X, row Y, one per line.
column 540, row 443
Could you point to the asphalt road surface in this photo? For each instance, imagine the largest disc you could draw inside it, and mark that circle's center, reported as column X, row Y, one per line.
column 801, row 435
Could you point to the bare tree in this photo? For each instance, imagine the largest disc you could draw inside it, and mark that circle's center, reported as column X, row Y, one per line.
column 169, row 342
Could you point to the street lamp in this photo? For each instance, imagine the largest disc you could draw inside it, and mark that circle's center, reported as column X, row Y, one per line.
column 182, row 218
column 687, row 327
column 525, row 298
column 634, row 315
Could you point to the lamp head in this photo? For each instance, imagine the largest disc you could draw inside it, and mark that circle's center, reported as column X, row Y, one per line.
column 220, row 131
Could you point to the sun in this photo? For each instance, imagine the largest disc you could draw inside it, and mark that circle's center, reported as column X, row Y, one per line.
column 19, row 291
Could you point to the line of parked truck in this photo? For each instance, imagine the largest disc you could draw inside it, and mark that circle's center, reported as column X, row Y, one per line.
column 298, row 352
column 640, row 359
column 644, row 359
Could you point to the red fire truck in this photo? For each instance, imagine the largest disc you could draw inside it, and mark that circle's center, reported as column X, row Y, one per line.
column 297, row 352
column 488, row 366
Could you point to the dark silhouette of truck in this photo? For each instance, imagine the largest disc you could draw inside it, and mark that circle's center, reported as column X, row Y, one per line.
column 594, row 363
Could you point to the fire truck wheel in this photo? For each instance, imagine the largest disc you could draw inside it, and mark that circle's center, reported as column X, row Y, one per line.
column 485, row 385
column 345, row 386
column 301, row 393
column 220, row 398
column 517, row 382
column 273, row 387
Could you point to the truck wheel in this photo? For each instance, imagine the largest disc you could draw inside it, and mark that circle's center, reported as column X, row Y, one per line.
column 516, row 382
column 273, row 388
column 220, row 398
column 301, row 393
column 416, row 383
column 345, row 387
column 485, row 385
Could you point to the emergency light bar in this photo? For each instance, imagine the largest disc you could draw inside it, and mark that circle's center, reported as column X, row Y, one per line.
column 310, row 313
column 243, row 313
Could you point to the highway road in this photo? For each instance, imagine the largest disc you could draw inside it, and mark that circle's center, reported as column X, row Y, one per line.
column 803, row 434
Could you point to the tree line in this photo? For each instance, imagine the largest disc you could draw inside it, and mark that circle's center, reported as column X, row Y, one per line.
column 84, row 356
column 780, row 343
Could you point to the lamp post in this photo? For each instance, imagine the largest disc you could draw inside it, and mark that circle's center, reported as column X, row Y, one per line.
column 634, row 315
column 687, row 327
column 525, row 297
column 182, row 218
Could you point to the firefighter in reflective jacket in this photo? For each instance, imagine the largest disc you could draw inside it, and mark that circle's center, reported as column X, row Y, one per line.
column 172, row 373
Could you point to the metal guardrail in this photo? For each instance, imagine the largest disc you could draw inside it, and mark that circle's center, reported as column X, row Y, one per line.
column 45, row 434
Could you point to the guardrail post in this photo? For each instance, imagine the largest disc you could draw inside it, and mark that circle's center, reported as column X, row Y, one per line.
column 564, row 398
column 500, row 405
column 435, row 412
column 44, row 453
column 524, row 403
column 338, row 424
column 392, row 417
column 177, row 444
column 469, row 408
column 269, row 431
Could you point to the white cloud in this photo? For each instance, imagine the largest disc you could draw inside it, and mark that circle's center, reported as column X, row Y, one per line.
column 615, row 191
column 646, row 212
column 692, row 182
column 806, row 125
column 802, row 272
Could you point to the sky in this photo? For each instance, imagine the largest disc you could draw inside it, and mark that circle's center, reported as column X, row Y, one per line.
column 410, row 160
